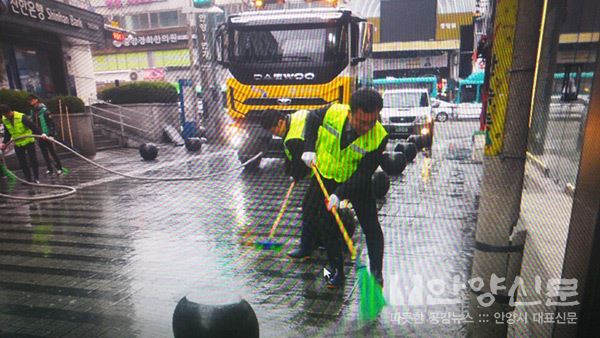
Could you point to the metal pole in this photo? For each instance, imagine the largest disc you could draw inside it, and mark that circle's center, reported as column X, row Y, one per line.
column 516, row 26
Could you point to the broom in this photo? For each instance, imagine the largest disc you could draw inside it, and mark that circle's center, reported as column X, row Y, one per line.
column 268, row 244
column 371, row 300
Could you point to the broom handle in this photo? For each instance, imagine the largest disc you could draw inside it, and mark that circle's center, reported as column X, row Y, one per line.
column 69, row 126
column 62, row 127
column 283, row 207
column 347, row 238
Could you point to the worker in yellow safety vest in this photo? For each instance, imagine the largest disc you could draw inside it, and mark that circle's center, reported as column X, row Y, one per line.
column 291, row 128
column 345, row 143
column 16, row 126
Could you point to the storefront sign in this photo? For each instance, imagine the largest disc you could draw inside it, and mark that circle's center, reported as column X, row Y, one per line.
column 124, row 3
column 434, row 61
column 56, row 17
column 152, row 39
column 154, row 74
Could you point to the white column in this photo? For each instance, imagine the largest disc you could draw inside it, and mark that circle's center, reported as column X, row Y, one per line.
column 80, row 65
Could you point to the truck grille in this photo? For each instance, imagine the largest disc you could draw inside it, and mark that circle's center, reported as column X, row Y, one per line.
column 254, row 116
column 272, row 101
column 402, row 119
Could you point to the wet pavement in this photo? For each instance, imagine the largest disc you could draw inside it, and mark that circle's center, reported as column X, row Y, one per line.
column 114, row 259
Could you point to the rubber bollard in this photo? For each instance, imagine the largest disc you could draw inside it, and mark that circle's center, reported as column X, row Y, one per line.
column 393, row 163
column 193, row 320
column 381, row 184
column 193, row 144
column 417, row 140
column 148, row 151
column 408, row 149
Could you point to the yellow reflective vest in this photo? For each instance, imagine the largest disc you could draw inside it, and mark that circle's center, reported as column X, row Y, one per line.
column 296, row 131
column 16, row 128
column 339, row 164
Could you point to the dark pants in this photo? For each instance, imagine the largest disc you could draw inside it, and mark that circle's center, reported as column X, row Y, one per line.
column 48, row 147
column 22, row 154
column 323, row 224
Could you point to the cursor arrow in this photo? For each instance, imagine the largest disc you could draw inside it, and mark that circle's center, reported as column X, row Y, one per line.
column 326, row 273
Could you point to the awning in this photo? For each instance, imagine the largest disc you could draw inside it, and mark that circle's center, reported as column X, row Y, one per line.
column 473, row 79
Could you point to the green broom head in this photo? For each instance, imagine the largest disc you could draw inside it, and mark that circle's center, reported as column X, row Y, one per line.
column 371, row 300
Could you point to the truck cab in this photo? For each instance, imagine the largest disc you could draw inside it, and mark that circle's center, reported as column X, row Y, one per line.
column 288, row 60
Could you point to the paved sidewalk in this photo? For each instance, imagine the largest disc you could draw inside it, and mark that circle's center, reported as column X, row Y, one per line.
column 114, row 260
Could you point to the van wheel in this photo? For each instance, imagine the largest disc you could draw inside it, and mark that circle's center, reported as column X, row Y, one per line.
column 441, row 117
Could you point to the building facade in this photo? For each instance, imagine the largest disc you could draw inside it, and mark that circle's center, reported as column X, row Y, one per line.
column 161, row 46
column 45, row 47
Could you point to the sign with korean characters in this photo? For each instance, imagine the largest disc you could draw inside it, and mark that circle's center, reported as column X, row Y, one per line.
column 501, row 63
column 151, row 40
column 55, row 17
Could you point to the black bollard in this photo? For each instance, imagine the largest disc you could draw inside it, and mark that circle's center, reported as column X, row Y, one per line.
column 193, row 144
column 408, row 149
column 393, row 163
column 417, row 140
column 381, row 184
column 148, row 151
column 193, row 320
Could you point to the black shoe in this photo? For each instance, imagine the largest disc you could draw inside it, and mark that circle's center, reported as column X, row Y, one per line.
column 299, row 254
column 336, row 280
column 379, row 278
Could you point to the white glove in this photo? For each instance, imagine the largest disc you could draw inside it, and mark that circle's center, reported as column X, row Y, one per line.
column 333, row 201
column 309, row 157
column 44, row 137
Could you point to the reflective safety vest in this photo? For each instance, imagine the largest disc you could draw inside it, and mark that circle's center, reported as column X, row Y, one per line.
column 297, row 129
column 16, row 128
column 339, row 164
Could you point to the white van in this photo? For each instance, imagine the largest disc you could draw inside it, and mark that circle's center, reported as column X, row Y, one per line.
column 407, row 112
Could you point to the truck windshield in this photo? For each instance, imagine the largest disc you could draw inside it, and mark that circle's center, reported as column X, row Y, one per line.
column 401, row 100
column 266, row 45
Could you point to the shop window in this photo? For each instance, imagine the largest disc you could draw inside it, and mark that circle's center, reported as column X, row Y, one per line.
column 171, row 58
column 154, row 20
column 168, row 19
column 140, row 21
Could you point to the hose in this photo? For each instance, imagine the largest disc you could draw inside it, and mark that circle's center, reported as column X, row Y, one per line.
column 72, row 190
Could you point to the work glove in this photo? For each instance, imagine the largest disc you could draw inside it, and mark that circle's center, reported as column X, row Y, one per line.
column 309, row 157
column 44, row 137
column 332, row 202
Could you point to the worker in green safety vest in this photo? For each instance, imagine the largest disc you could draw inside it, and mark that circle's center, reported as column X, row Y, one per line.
column 346, row 143
column 17, row 125
column 41, row 116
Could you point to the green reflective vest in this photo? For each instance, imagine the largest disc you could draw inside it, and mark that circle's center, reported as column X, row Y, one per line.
column 339, row 164
column 296, row 131
column 40, row 118
column 16, row 128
